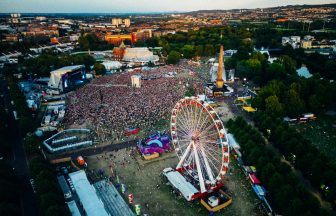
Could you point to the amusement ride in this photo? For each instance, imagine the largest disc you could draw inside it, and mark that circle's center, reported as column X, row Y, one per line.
column 200, row 142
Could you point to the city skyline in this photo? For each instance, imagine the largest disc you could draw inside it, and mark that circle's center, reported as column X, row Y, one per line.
column 141, row 6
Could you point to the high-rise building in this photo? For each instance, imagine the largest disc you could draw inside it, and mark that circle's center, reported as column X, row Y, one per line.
column 116, row 21
column 127, row 22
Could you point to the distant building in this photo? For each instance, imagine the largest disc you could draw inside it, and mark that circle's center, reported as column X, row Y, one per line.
column 41, row 18
column 143, row 34
column 118, row 21
column 15, row 18
column 306, row 44
column 118, row 38
column 127, row 22
column 294, row 41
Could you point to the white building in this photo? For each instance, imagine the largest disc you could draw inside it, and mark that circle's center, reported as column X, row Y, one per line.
column 140, row 55
column 294, row 41
column 127, row 22
column 116, row 21
column 136, row 81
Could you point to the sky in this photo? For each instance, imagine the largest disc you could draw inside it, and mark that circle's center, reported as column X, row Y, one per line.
column 134, row 6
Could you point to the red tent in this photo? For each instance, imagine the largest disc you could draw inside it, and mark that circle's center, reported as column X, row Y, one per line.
column 131, row 131
column 254, row 179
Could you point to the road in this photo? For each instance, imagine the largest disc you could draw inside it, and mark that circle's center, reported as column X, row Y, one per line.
column 18, row 159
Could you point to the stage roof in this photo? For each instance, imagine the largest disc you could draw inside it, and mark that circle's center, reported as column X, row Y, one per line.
column 92, row 205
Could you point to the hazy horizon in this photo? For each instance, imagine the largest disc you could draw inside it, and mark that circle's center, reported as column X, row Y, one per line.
column 140, row 6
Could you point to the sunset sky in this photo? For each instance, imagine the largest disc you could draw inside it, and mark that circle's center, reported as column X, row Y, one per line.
column 121, row 6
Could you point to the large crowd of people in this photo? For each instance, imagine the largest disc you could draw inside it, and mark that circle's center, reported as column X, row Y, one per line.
column 109, row 104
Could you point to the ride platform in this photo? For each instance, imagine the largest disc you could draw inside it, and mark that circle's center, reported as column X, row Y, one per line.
column 216, row 201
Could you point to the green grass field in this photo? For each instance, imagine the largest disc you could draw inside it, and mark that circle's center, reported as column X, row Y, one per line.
column 322, row 134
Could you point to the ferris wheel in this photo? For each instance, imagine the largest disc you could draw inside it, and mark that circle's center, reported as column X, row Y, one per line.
column 200, row 142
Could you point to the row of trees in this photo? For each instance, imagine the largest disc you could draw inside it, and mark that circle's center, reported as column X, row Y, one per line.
column 203, row 42
column 286, row 192
column 316, row 63
column 92, row 42
column 255, row 67
column 43, row 64
column 25, row 121
column 51, row 200
column 302, row 154
column 9, row 191
column 303, row 95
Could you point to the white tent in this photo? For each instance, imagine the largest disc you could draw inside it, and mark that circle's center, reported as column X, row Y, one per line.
column 111, row 65
column 180, row 183
column 140, row 54
column 56, row 76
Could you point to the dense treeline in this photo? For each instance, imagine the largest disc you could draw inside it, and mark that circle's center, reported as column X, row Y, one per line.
column 24, row 45
column 51, row 200
column 92, row 42
column 25, row 121
column 286, row 192
column 43, row 64
column 9, row 191
column 302, row 154
column 317, row 64
column 304, row 95
column 203, row 42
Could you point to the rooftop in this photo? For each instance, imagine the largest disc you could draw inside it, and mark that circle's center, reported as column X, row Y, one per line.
column 92, row 205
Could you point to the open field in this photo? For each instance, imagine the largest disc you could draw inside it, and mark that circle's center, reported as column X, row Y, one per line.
column 322, row 133
column 144, row 180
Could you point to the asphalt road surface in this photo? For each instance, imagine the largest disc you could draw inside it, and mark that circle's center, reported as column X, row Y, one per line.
column 18, row 158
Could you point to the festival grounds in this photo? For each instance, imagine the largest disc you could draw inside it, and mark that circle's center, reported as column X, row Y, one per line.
column 149, row 188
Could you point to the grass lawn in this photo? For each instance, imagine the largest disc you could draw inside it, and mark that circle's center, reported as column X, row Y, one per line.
column 322, row 134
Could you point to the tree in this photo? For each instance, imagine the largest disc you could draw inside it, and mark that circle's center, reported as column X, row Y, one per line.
column 188, row 51
column 99, row 68
column 55, row 210
column 275, row 71
column 314, row 104
column 199, row 50
column 174, row 57
column 293, row 104
column 31, row 144
column 273, row 106
column 289, row 64
column 209, row 50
